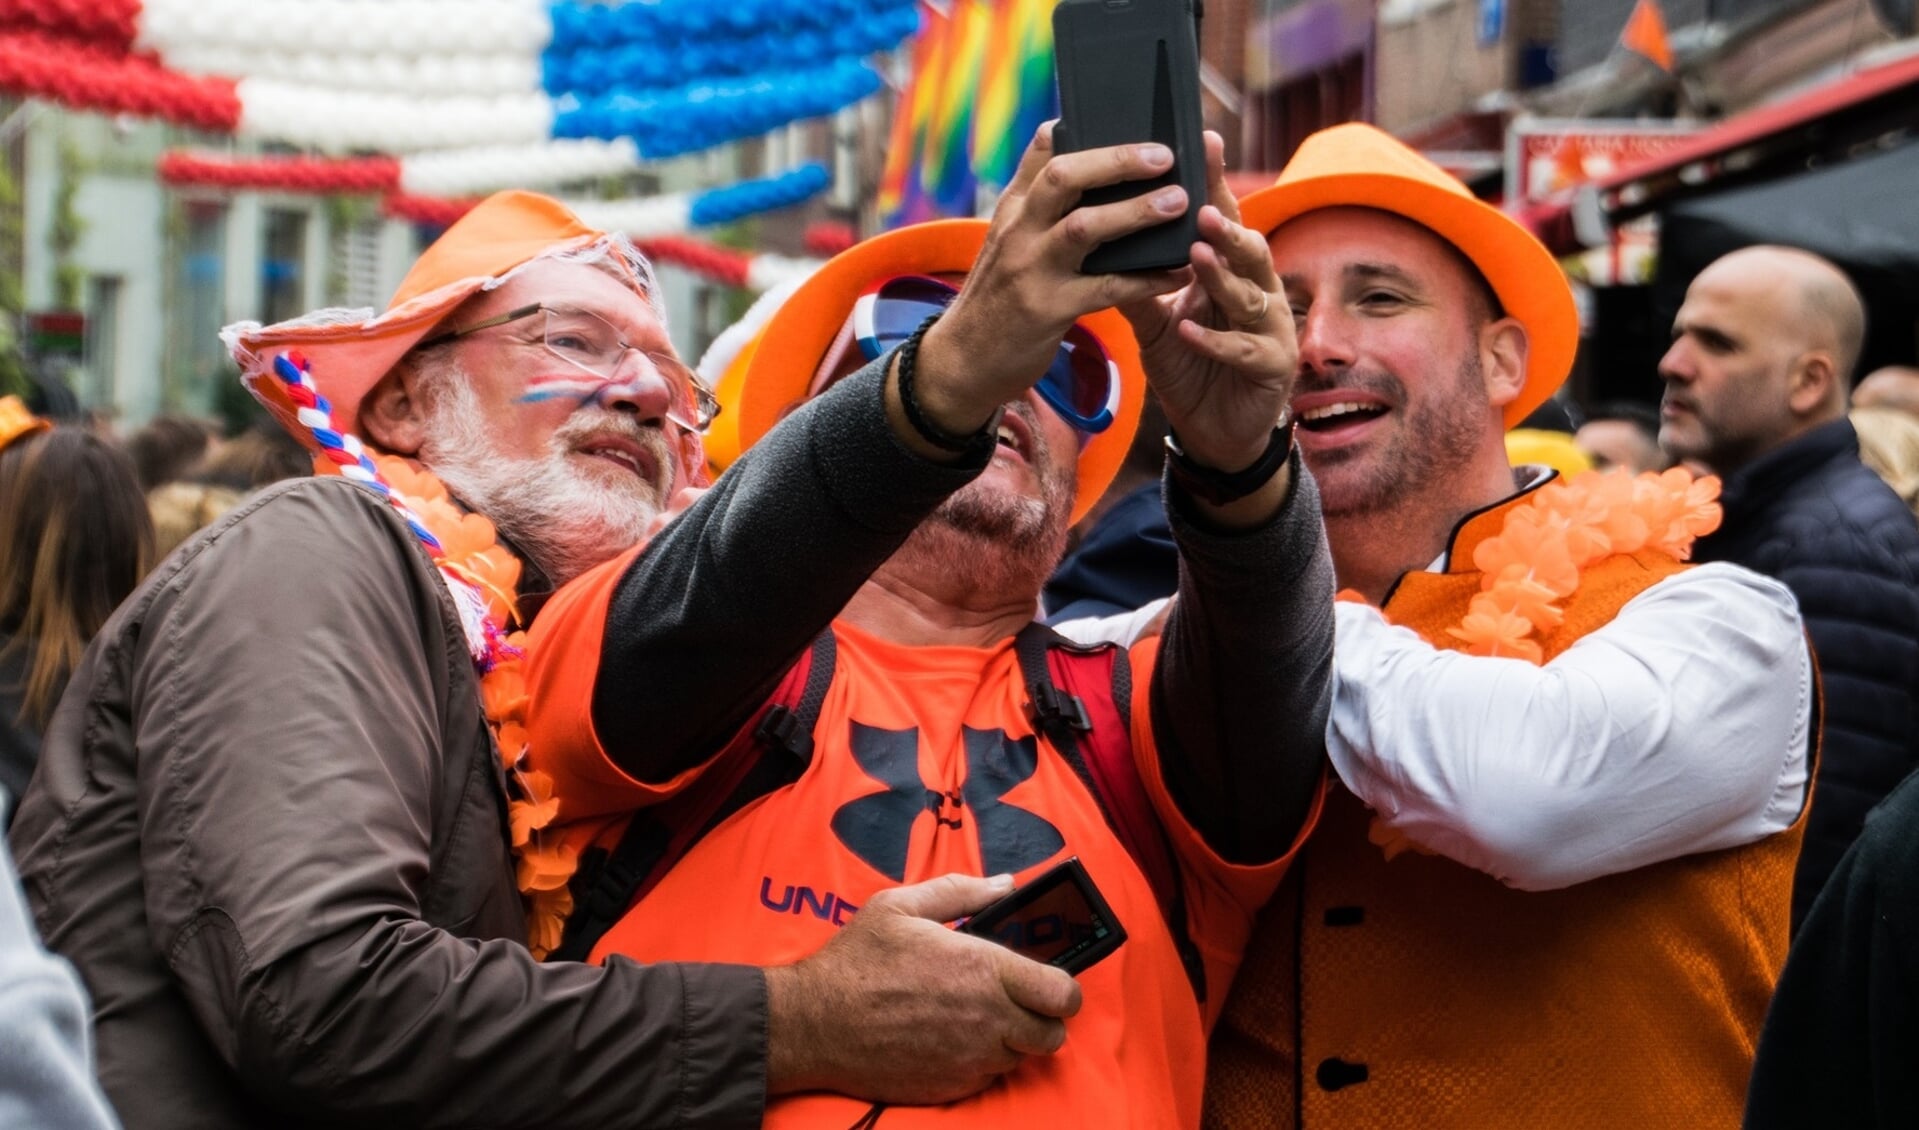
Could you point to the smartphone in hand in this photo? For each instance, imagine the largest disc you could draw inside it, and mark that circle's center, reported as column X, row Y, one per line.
column 1129, row 72
column 1059, row 918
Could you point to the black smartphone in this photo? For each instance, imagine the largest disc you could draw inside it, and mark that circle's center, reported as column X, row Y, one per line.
column 1129, row 72
column 1058, row 918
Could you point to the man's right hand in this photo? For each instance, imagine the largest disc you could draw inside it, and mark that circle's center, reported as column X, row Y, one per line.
column 900, row 1009
column 1025, row 289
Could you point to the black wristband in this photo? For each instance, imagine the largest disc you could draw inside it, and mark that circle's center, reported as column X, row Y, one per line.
column 938, row 437
column 1221, row 487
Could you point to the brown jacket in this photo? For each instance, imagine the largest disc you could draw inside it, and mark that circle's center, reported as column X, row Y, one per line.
column 269, row 828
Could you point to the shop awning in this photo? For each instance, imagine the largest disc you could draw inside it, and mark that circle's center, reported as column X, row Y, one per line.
column 1769, row 141
column 1858, row 213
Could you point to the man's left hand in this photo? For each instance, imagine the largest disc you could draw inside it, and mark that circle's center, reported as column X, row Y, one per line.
column 1221, row 353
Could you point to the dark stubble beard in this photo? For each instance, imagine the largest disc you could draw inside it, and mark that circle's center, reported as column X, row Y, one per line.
column 997, row 543
column 1435, row 438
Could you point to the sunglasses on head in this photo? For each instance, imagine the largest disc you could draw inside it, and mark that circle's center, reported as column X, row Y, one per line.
column 1081, row 384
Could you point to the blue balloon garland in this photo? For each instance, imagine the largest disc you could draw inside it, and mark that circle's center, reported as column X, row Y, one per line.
column 581, row 24
column 768, row 194
column 599, row 69
column 667, row 123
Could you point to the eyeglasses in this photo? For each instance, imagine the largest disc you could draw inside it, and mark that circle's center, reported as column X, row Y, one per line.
column 1081, row 384
column 591, row 343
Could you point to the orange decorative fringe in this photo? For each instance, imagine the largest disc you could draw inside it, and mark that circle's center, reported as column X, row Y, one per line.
column 475, row 557
column 1534, row 563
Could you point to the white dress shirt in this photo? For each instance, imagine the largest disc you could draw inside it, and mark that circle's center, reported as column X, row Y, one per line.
column 1681, row 726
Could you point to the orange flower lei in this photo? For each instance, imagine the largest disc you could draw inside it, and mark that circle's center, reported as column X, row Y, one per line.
column 476, row 561
column 1534, row 563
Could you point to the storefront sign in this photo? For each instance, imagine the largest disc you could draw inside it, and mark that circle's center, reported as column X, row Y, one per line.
column 1549, row 159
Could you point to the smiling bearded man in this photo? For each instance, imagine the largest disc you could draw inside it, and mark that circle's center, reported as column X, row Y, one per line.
column 282, row 822
column 883, row 546
column 1553, row 888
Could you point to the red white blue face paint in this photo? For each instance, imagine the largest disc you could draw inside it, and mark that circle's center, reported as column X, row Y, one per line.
column 594, row 346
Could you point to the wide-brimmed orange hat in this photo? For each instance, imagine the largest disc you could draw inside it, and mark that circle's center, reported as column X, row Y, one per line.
column 1357, row 165
column 348, row 351
column 780, row 361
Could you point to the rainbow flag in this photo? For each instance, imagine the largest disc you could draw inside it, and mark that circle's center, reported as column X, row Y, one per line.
column 982, row 83
column 900, row 198
column 1016, row 91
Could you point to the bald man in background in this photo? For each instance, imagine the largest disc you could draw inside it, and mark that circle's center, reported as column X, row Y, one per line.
column 1757, row 385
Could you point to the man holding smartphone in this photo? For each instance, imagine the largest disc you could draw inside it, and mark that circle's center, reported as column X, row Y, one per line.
column 1553, row 890
column 910, row 510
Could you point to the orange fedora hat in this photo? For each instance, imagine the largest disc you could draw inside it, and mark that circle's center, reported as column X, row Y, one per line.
column 780, row 362
column 348, row 351
column 1358, row 165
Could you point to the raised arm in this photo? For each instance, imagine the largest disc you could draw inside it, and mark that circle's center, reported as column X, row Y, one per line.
column 1241, row 689
column 1680, row 726
column 704, row 622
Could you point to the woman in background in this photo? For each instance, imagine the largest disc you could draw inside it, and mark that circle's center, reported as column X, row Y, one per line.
column 75, row 539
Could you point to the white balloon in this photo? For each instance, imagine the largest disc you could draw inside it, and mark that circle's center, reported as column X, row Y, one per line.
column 401, row 27
column 337, row 120
column 459, row 172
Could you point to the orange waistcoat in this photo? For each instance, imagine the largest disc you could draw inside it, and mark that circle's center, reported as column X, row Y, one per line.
column 1420, row 993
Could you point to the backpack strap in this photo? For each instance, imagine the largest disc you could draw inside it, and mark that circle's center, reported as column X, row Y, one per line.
column 1093, row 733
column 769, row 753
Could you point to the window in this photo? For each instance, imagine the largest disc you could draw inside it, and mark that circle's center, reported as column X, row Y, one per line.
column 195, row 306
column 283, row 265
column 102, row 355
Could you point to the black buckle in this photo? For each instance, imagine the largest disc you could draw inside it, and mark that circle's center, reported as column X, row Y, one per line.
column 781, row 728
column 1049, row 707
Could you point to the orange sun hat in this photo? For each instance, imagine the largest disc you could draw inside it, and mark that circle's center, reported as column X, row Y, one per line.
column 1359, row 166
column 773, row 370
column 348, row 351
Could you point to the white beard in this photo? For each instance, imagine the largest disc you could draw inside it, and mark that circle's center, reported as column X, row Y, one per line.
column 564, row 519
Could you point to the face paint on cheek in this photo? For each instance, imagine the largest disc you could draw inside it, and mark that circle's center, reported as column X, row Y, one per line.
column 578, row 389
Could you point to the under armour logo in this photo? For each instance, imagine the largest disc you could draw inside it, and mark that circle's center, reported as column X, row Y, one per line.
column 879, row 828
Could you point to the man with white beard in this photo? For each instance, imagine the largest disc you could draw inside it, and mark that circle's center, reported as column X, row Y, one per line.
column 283, row 824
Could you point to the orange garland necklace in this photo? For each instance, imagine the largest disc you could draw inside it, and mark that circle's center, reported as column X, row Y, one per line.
column 484, row 575
column 1533, row 564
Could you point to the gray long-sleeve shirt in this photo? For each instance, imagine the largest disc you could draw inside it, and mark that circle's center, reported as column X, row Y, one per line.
column 706, row 621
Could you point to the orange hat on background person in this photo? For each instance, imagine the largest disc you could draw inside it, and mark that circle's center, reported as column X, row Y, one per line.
column 778, row 365
column 1359, row 166
column 723, row 368
column 17, row 421
column 348, row 351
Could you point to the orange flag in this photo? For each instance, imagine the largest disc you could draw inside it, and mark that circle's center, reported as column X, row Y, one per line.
column 1646, row 34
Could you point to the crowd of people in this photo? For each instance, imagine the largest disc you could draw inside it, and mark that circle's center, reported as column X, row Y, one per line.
column 1451, row 756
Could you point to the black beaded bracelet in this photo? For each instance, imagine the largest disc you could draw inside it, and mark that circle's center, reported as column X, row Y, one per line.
column 938, row 437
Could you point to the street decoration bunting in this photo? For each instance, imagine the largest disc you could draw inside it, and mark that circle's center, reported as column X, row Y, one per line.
column 485, row 94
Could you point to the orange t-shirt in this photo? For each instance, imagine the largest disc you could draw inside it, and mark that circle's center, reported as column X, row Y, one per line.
column 924, row 764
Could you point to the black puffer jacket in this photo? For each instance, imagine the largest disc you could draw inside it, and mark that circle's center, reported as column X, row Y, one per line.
column 1813, row 516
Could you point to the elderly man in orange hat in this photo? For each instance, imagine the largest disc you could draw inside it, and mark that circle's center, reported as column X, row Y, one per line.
column 1553, row 888
column 879, row 706
column 283, row 822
